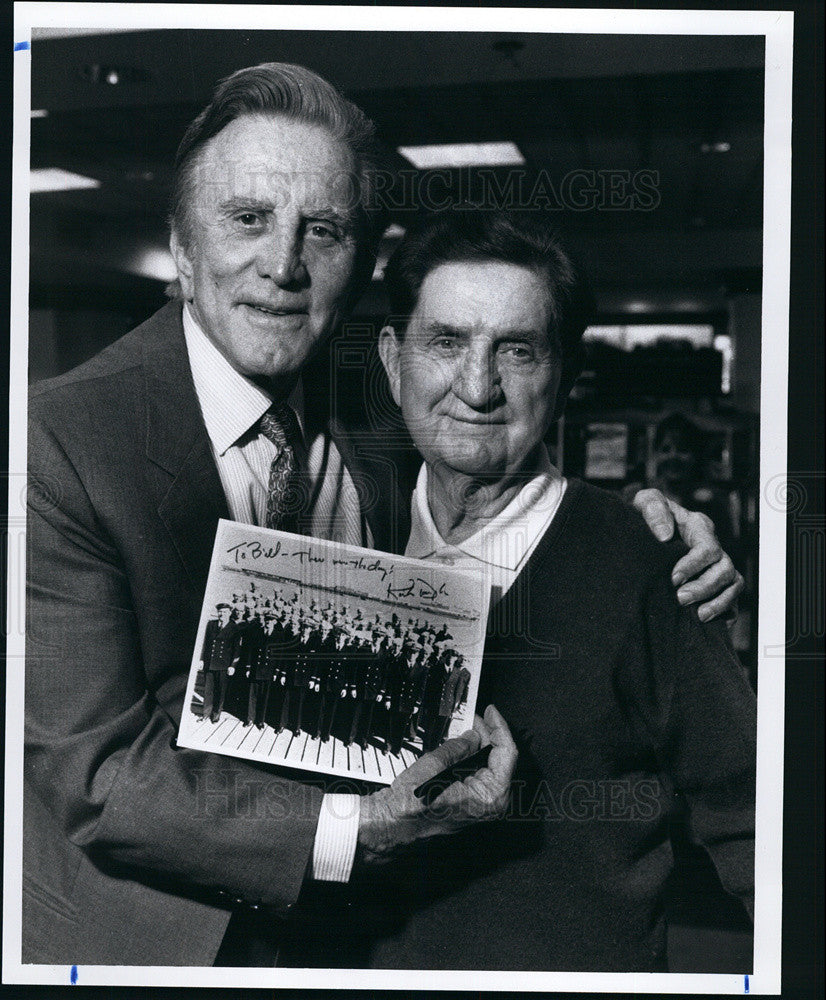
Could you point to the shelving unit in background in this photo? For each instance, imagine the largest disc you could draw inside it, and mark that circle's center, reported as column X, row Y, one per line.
column 615, row 447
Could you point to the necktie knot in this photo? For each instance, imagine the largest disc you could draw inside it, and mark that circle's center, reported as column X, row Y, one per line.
column 280, row 425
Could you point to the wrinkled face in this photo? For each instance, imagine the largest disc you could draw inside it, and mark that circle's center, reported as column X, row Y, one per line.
column 273, row 252
column 476, row 375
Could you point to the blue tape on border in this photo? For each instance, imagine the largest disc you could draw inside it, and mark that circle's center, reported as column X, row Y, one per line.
column 20, row 46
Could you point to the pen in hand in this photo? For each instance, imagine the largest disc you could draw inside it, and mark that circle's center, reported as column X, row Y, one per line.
column 456, row 772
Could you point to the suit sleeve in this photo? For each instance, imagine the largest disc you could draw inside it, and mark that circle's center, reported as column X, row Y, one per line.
column 100, row 749
column 695, row 703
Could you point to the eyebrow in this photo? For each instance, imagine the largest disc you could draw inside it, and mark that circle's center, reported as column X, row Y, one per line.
column 347, row 220
column 437, row 328
column 259, row 205
column 237, row 204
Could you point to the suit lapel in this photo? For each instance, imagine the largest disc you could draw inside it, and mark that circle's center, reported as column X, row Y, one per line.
column 190, row 496
column 378, row 477
column 380, row 473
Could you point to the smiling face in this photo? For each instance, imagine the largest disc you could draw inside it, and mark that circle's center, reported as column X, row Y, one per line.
column 271, row 260
column 476, row 374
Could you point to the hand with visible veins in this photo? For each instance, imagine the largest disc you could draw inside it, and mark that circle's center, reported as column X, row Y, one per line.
column 705, row 575
column 394, row 817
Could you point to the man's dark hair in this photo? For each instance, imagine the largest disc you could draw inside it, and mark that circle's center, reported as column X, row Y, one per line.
column 297, row 93
column 466, row 234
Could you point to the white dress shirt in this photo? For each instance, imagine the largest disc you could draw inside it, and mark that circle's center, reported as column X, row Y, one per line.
column 231, row 406
column 504, row 545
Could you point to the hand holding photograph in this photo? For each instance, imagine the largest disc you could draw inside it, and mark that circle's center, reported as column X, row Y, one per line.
column 331, row 658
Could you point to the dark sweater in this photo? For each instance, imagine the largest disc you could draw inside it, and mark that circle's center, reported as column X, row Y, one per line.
column 627, row 712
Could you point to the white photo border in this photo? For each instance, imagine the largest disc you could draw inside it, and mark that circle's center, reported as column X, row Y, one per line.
column 777, row 29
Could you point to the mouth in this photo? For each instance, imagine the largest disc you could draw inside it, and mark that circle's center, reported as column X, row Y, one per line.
column 274, row 310
column 479, row 421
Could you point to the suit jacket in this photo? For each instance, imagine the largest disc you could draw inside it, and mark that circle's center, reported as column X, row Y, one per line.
column 253, row 654
column 221, row 646
column 273, row 652
column 302, row 665
column 370, row 668
column 432, row 694
column 454, row 690
column 412, row 684
column 133, row 848
column 328, row 661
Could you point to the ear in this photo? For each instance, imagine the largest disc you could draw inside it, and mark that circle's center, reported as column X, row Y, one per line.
column 390, row 354
column 183, row 265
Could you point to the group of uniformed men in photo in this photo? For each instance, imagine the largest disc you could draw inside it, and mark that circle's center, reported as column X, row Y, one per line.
column 327, row 671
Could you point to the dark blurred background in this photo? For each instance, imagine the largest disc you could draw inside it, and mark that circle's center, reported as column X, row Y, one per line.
column 649, row 149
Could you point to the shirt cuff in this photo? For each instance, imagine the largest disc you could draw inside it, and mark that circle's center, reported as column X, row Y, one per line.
column 334, row 849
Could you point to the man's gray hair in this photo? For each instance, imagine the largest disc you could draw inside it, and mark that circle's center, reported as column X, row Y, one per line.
column 297, row 93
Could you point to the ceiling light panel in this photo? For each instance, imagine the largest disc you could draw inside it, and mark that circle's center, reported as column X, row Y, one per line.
column 464, row 154
column 55, row 179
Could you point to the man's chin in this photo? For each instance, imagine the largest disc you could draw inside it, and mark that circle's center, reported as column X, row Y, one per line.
column 274, row 367
column 487, row 467
column 475, row 466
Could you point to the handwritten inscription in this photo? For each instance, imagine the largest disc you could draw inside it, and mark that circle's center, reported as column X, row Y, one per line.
column 306, row 556
column 370, row 565
column 254, row 551
column 418, row 587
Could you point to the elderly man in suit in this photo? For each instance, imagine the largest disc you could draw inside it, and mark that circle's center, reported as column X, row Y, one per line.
column 201, row 413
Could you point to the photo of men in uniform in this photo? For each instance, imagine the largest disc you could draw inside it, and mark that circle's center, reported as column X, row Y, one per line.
column 304, row 673
column 331, row 659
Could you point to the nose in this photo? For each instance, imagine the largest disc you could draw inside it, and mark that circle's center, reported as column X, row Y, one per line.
column 477, row 382
column 280, row 256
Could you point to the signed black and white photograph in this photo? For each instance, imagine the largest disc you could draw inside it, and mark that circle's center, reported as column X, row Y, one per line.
column 399, row 423
column 331, row 658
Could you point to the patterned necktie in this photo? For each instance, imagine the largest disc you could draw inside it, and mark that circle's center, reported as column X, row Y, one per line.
column 284, row 494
